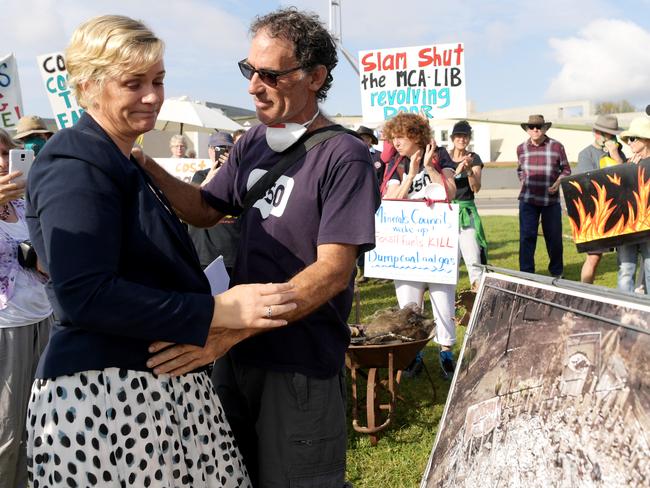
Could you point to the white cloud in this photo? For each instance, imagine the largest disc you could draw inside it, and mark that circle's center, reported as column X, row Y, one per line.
column 608, row 60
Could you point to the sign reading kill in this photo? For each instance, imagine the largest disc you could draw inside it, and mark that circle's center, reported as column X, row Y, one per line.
column 429, row 80
column 415, row 242
column 55, row 76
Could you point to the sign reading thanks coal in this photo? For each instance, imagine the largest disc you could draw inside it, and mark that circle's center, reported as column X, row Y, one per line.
column 415, row 242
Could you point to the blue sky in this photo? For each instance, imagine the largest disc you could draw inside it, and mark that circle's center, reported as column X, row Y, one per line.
column 517, row 52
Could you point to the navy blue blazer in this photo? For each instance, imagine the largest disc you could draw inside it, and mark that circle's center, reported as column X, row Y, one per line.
column 123, row 270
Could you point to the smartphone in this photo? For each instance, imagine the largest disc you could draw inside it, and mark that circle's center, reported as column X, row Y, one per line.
column 20, row 160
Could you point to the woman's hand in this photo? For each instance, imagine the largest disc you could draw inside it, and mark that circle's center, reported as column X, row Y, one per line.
column 253, row 306
column 11, row 190
column 430, row 156
column 465, row 164
column 178, row 359
column 414, row 165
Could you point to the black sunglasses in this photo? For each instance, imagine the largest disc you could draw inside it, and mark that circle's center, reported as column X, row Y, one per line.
column 534, row 126
column 268, row 76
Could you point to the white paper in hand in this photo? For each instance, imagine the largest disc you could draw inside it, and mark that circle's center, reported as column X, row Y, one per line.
column 217, row 276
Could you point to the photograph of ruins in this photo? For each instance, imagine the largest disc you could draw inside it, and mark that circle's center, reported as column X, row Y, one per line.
column 552, row 390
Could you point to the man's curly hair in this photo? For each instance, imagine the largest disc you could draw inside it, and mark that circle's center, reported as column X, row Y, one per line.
column 413, row 126
column 312, row 42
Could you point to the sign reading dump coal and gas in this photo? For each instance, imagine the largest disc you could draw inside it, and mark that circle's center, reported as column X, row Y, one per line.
column 415, row 242
column 429, row 80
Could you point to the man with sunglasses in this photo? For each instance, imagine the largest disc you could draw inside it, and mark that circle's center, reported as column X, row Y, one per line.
column 283, row 390
column 542, row 163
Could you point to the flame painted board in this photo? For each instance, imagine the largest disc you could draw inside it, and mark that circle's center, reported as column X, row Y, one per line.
column 609, row 207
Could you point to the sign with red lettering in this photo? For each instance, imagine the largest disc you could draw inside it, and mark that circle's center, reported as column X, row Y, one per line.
column 55, row 77
column 415, row 242
column 429, row 80
column 183, row 168
column 11, row 101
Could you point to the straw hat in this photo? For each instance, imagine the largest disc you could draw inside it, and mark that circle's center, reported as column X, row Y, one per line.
column 536, row 119
column 30, row 124
column 640, row 127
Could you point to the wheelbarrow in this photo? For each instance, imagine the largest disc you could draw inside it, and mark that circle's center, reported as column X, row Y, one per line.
column 381, row 365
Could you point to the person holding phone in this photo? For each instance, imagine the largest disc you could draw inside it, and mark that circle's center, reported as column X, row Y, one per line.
column 126, row 283
column 221, row 239
column 25, row 319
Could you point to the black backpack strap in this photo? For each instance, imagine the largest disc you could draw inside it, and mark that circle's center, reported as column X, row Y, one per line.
column 293, row 154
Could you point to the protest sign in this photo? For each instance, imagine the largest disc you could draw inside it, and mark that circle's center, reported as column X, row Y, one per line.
column 552, row 388
column 11, row 102
column 55, row 77
column 429, row 80
column 183, row 168
column 415, row 242
column 609, row 207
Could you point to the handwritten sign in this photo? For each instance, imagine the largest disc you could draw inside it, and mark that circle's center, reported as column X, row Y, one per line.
column 415, row 242
column 55, row 76
column 429, row 80
column 11, row 102
column 183, row 168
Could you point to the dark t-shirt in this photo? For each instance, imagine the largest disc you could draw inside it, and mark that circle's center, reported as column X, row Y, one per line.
column 330, row 196
column 422, row 179
column 463, row 190
column 219, row 240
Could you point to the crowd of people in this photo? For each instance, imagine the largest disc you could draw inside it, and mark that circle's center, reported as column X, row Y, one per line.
column 114, row 354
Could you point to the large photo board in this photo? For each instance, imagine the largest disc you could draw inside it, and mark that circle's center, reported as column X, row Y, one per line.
column 552, row 390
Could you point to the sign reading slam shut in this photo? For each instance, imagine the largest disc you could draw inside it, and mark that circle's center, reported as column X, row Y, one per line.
column 429, row 80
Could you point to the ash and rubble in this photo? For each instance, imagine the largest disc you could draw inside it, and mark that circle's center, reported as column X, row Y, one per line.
column 393, row 325
column 548, row 398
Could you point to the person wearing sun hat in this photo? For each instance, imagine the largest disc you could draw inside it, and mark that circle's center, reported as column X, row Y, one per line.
column 638, row 138
column 32, row 133
column 604, row 151
column 542, row 163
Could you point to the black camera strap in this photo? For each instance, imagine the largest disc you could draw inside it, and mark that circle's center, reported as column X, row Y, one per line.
column 293, row 154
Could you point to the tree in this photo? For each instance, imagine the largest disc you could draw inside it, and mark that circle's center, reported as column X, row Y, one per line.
column 614, row 107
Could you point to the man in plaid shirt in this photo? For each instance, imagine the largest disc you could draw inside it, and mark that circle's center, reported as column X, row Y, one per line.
column 542, row 163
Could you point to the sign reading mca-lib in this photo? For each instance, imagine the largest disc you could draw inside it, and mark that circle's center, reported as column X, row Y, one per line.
column 415, row 242
column 429, row 80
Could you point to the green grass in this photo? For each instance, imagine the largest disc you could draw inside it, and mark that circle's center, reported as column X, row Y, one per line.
column 400, row 457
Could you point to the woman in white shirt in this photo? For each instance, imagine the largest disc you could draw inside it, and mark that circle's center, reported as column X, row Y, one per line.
column 426, row 168
column 25, row 318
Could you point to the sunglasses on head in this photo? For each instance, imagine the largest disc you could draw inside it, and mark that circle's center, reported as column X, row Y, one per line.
column 535, row 126
column 268, row 76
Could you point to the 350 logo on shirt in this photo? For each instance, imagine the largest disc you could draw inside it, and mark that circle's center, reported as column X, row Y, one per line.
column 275, row 199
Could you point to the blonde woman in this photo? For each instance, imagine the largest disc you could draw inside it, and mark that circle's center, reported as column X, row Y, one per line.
column 178, row 145
column 125, row 282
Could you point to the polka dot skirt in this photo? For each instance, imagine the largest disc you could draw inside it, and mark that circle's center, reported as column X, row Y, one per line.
column 119, row 428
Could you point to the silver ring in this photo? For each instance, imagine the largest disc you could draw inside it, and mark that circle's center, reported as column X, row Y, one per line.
column 269, row 312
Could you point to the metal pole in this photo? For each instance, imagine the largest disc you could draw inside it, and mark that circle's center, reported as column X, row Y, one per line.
column 336, row 30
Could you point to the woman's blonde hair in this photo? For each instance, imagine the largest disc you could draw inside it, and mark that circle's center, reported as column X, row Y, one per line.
column 413, row 126
column 106, row 47
column 7, row 141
